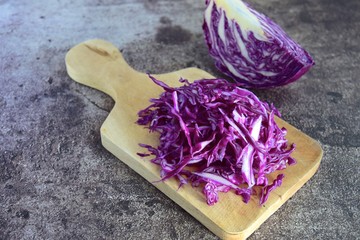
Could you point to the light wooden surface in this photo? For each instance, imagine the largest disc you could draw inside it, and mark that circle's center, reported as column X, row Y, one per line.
column 99, row 64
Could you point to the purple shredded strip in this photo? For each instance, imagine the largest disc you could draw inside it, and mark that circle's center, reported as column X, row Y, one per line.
column 216, row 135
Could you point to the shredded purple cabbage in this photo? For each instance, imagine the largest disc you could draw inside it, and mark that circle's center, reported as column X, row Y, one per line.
column 249, row 59
column 216, row 135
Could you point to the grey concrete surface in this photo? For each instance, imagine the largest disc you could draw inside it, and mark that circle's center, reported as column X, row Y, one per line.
column 58, row 182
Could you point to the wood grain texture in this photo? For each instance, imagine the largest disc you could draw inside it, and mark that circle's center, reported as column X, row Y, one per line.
column 99, row 64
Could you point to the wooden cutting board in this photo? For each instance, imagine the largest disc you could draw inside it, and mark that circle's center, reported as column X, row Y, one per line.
column 99, row 64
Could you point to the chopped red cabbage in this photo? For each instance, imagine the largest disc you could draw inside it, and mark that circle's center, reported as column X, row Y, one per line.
column 216, row 135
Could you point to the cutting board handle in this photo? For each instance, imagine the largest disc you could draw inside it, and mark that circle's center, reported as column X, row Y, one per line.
column 98, row 64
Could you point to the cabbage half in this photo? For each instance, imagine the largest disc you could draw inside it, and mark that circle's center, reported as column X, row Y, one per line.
column 250, row 48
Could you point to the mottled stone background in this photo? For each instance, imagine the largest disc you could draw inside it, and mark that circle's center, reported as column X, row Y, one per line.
column 58, row 182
